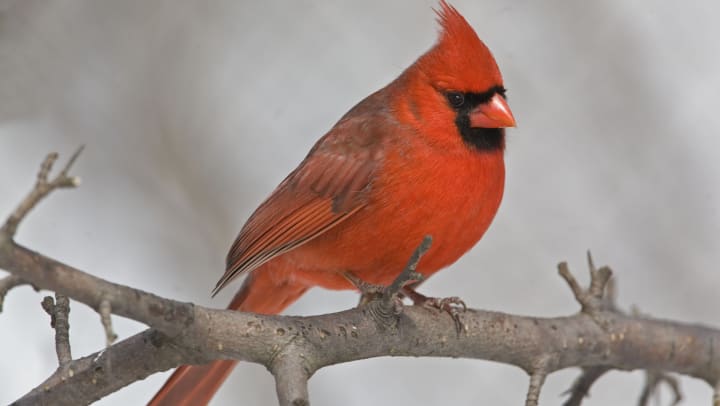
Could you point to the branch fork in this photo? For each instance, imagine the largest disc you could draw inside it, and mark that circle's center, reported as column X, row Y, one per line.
column 43, row 186
column 592, row 299
column 6, row 284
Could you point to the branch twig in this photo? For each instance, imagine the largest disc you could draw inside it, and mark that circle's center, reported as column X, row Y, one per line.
column 105, row 311
column 33, row 268
column 537, row 379
column 133, row 359
column 591, row 299
column 581, row 387
column 42, row 188
column 59, row 311
column 653, row 380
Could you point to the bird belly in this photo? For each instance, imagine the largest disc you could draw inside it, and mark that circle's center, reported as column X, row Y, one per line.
column 454, row 203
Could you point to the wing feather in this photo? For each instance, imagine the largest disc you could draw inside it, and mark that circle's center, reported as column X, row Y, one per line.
column 330, row 185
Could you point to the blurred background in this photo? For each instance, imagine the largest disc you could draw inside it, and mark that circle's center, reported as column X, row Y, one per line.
column 193, row 111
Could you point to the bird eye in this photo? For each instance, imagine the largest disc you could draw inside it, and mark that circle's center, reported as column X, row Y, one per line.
column 456, row 99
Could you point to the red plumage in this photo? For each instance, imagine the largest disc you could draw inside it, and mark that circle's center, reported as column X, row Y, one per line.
column 408, row 161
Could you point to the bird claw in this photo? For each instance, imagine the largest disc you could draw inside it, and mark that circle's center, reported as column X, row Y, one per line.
column 368, row 291
column 454, row 306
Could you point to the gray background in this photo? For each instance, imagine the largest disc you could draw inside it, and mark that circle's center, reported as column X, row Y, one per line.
column 193, row 111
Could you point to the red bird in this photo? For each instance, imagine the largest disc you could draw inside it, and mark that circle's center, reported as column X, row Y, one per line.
column 424, row 155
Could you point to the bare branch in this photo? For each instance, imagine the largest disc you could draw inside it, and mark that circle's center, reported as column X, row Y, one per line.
column 291, row 379
column 353, row 335
column 653, row 379
column 59, row 311
column 105, row 311
column 167, row 315
column 42, row 188
column 591, row 299
column 133, row 359
column 537, row 379
column 63, row 176
column 6, row 284
column 611, row 293
column 581, row 387
column 609, row 298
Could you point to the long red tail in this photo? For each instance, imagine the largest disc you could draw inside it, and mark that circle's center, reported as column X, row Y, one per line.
column 193, row 385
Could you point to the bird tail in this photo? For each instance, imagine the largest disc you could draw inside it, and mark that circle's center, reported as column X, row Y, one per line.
column 194, row 385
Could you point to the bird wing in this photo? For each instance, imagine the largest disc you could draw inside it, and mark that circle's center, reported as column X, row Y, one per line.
column 330, row 185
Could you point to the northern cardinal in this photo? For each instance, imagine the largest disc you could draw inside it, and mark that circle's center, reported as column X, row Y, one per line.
column 422, row 156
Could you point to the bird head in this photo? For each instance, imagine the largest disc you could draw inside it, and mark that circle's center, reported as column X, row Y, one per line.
column 458, row 81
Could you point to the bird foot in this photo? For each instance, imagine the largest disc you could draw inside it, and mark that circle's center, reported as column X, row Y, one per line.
column 453, row 305
column 368, row 291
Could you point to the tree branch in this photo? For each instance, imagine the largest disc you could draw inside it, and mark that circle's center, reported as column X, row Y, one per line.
column 105, row 311
column 597, row 339
column 59, row 311
column 291, row 378
column 353, row 335
column 6, row 284
column 653, row 379
column 537, row 379
column 42, row 188
column 92, row 379
column 581, row 387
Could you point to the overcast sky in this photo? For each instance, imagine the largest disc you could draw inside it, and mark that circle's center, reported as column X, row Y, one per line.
column 192, row 112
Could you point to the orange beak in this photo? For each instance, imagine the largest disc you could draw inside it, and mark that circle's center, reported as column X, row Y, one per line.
column 492, row 114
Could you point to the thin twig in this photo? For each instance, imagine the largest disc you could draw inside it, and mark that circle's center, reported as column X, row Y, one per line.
column 581, row 387
column 59, row 311
column 105, row 311
column 590, row 299
column 537, row 379
column 565, row 273
column 597, row 299
column 91, row 378
column 653, row 379
column 602, row 292
column 66, row 169
column 44, row 272
column 609, row 301
column 42, row 187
